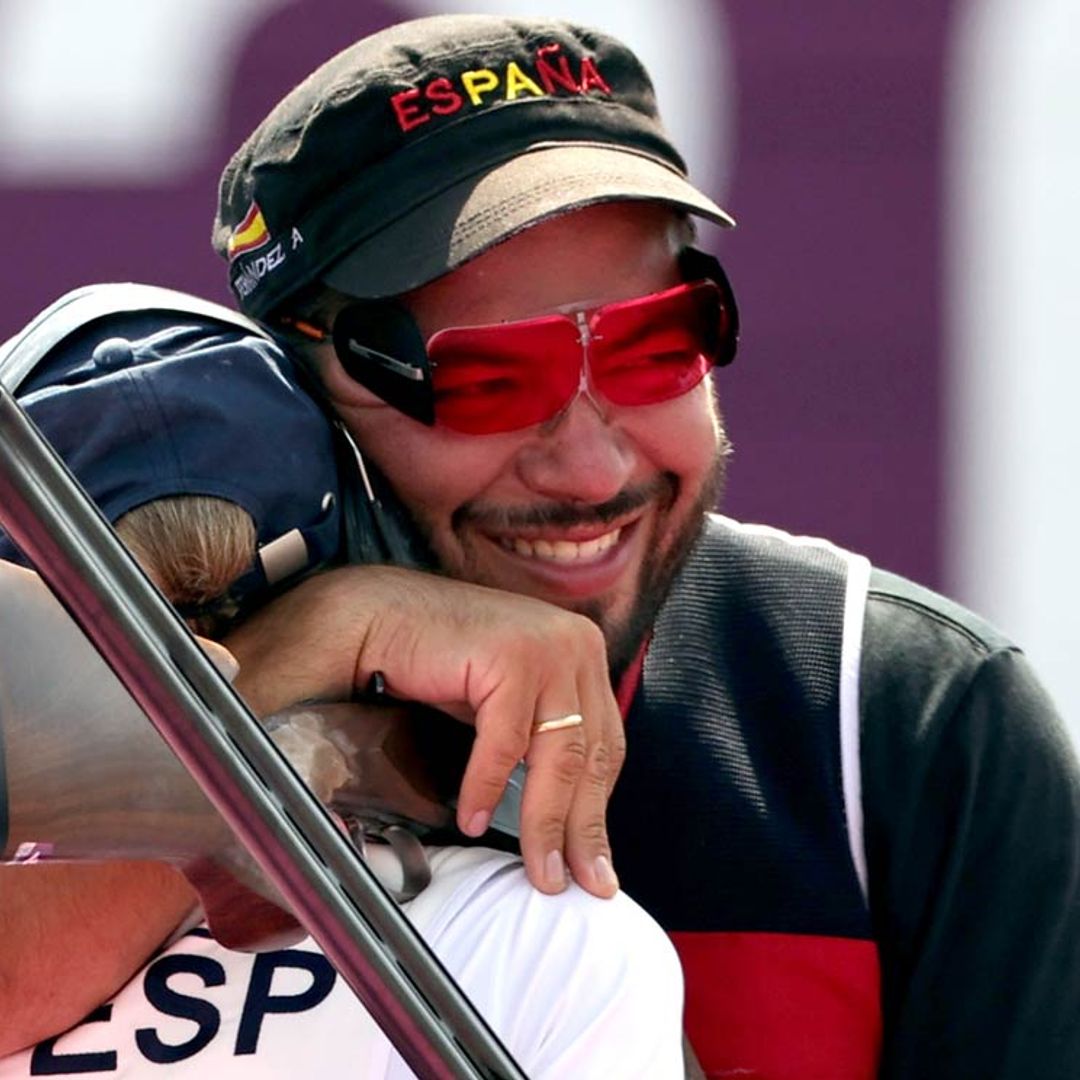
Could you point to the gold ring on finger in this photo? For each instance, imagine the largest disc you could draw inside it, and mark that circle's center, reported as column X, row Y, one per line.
column 557, row 723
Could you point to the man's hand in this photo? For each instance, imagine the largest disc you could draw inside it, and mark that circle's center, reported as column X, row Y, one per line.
column 504, row 662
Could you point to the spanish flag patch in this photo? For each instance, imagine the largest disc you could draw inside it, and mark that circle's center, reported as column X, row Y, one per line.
column 250, row 234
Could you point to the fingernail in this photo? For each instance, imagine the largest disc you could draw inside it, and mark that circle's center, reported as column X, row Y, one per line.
column 221, row 658
column 555, row 869
column 605, row 872
column 478, row 823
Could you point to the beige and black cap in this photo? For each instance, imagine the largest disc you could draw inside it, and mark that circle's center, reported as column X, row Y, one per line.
column 419, row 147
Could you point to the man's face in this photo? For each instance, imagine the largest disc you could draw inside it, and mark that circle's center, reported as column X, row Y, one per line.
column 592, row 510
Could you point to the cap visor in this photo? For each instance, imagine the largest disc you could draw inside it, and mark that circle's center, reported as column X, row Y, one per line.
column 474, row 215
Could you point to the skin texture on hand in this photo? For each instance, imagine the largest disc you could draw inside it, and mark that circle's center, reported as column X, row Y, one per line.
column 501, row 661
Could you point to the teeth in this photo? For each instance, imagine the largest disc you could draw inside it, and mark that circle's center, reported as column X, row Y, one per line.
column 563, row 551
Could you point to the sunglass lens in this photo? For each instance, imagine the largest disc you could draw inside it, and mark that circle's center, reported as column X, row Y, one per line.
column 659, row 347
column 504, row 377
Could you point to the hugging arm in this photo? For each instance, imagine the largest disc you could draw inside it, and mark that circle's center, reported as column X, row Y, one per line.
column 75, row 930
column 58, row 710
column 503, row 661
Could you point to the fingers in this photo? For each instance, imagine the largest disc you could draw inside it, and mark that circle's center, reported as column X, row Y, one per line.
column 503, row 722
column 220, row 657
column 569, row 732
column 555, row 760
column 512, row 662
column 588, row 850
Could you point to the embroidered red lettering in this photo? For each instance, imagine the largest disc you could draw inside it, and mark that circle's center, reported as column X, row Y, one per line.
column 518, row 82
column 479, row 82
column 447, row 99
column 408, row 113
column 591, row 77
column 446, row 95
column 551, row 76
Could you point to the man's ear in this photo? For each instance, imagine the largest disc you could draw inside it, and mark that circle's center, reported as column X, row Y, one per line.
column 220, row 657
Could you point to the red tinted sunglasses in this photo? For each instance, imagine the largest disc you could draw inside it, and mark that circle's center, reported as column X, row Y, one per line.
column 479, row 380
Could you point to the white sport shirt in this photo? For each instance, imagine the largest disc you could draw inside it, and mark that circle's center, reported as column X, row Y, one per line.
column 574, row 986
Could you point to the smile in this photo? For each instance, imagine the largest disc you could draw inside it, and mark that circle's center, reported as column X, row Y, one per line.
column 562, row 551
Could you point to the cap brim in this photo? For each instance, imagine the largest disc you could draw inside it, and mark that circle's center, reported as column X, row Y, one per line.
column 474, row 215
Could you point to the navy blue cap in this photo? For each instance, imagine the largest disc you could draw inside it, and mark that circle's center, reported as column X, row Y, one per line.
column 165, row 407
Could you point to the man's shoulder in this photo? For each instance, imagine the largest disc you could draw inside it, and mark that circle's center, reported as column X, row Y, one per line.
column 919, row 647
column 929, row 666
column 892, row 601
column 932, row 673
column 898, row 600
column 762, row 560
column 768, row 541
column 908, row 642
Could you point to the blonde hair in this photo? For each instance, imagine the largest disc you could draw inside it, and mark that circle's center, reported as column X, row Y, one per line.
column 193, row 547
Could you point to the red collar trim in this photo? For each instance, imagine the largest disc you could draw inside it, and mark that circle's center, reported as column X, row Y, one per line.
column 628, row 684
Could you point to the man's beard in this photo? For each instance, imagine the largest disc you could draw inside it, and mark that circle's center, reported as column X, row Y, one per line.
column 624, row 637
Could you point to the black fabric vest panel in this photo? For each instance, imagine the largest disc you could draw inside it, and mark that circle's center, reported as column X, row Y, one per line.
column 729, row 814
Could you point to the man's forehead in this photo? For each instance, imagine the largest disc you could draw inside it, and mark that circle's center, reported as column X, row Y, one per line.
column 589, row 256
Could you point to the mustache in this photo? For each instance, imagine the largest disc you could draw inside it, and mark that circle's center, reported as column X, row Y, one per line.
column 662, row 488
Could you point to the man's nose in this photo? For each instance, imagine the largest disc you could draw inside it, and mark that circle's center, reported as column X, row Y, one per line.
column 579, row 455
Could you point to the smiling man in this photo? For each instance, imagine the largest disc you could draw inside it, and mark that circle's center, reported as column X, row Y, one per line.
column 556, row 491
column 847, row 799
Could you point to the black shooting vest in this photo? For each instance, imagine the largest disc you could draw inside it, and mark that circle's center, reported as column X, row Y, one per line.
column 729, row 822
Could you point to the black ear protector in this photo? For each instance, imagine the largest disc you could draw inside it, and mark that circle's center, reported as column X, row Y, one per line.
column 376, row 527
column 380, row 346
column 697, row 265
